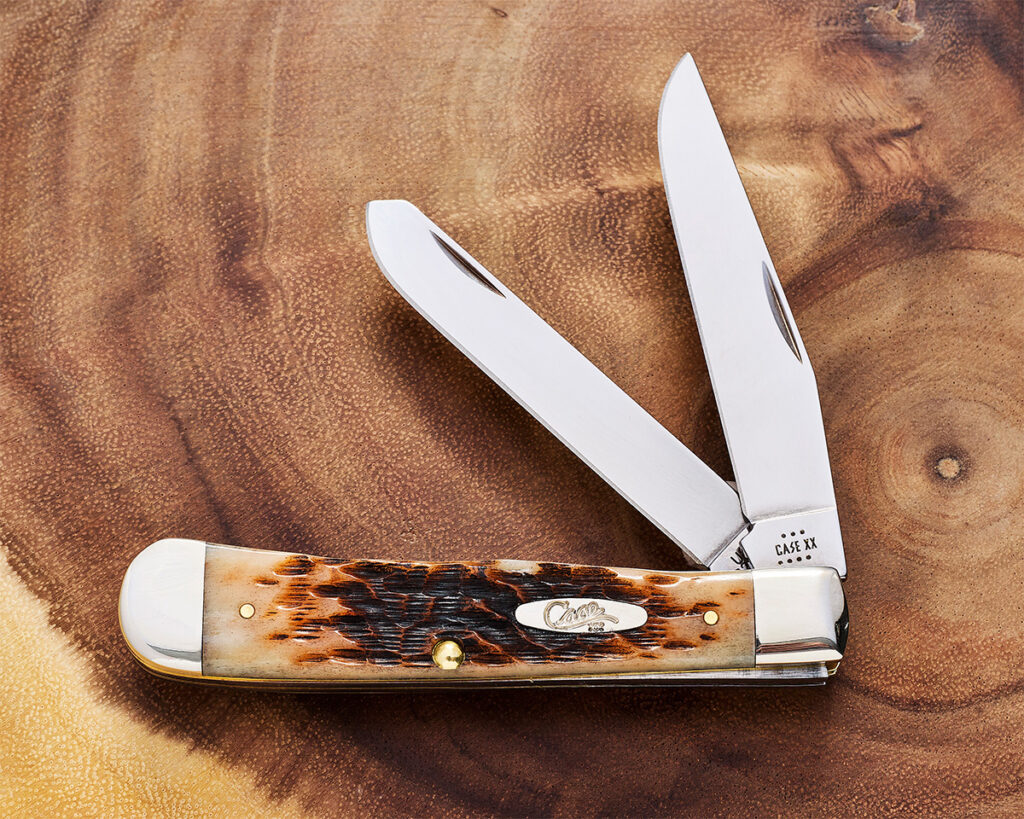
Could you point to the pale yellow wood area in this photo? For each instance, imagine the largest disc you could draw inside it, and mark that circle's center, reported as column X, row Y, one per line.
column 68, row 749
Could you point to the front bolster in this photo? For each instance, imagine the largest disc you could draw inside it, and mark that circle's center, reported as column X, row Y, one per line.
column 800, row 616
column 223, row 614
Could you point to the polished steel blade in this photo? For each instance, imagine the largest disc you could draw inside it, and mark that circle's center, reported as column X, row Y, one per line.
column 763, row 382
column 554, row 381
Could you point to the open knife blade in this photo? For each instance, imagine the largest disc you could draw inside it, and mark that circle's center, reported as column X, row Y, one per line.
column 578, row 403
column 763, row 382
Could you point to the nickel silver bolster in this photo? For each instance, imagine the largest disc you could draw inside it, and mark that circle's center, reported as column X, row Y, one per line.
column 161, row 607
column 800, row 617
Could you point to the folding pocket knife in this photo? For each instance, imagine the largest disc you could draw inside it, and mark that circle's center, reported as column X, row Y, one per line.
column 767, row 607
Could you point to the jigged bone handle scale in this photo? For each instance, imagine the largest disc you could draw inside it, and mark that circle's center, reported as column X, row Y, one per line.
column 222, row 614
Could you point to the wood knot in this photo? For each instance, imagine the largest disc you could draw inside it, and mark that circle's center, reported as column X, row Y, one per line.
column 948, row 465
column 895, row 23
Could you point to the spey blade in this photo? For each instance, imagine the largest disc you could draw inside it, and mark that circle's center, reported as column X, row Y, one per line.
column 552, row 380
column 763, row 381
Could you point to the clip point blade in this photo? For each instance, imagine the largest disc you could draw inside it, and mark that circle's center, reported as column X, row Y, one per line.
column 764, row 386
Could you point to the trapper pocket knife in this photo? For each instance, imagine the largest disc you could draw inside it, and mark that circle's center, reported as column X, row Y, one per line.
column 766, row 608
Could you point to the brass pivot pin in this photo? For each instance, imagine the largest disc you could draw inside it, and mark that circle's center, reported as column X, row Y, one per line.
column 448, row 655
column 711, row 617
column 247, row 610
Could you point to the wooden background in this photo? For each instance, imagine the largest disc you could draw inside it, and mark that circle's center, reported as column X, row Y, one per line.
column 196, row 342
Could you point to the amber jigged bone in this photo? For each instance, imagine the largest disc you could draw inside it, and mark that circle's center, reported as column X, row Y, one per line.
column 319, row 618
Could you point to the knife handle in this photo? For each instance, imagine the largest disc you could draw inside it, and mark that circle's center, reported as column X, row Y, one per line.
column 224, row 614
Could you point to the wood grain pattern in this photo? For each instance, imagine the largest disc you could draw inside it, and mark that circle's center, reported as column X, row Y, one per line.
column 368, row 621
column 194, row 340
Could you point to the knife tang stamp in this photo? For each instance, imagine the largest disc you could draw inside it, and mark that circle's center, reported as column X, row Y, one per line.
column 227, row 614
